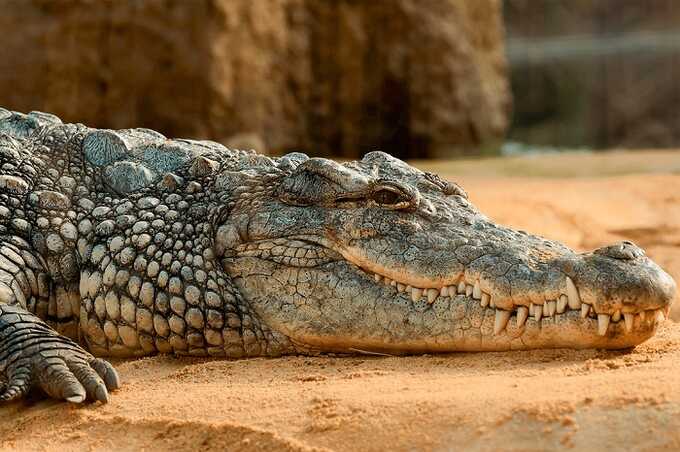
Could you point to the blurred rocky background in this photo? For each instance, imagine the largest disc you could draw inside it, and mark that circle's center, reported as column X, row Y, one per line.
column 417, row 78
column 597, row 74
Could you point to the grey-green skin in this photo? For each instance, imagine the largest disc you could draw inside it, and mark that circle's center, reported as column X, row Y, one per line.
column 131, row 244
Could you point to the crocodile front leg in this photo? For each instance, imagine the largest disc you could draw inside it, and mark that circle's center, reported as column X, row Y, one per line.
column 32, row 354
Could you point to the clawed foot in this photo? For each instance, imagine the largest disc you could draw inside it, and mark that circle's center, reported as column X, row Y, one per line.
column 35, row 356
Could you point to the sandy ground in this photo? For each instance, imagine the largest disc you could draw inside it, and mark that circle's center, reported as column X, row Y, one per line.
column 523, row 401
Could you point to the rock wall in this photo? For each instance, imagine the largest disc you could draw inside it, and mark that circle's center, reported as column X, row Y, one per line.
column 417, row 78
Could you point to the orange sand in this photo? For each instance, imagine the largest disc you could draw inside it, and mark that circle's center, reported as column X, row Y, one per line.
column 523, row 401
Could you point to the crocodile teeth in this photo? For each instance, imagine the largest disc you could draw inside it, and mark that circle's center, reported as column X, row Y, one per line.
column 538, row 312
column 468, row 290
column 432, row 295
column 401, row 287
column 602, row 323
column 584, row 310
column 522, row 314
column 477, row 291
column 552, row 306
column 409, row 289
column 572, row 294
column 616, row 316
column 444, row 292
column 393, row 283
column 388, row 281
column 377, row 277
column 486, row 298
column 628, row 320
column 660, row 317
column 501, row 320
column 562, row 304
column 461, row 287
column 546, row 311
column 416, row 293
column 642, row 316
column 531, row 309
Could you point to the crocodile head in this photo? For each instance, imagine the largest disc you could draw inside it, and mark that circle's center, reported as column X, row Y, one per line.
column 378, row 256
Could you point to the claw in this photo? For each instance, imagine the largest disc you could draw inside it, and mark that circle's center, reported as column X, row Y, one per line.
column 107, row 373
column 78, row 398
column 102, row 394
column 18, row 386
column 73, row 392
column 58, row 382
column 90, row 379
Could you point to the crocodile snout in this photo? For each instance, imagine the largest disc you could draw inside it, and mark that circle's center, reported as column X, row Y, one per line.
column 620, row 277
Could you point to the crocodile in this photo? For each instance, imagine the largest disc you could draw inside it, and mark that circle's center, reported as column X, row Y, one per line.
column 126, row 243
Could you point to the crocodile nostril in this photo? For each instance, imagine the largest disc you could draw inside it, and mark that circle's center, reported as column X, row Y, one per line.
column 625, row 250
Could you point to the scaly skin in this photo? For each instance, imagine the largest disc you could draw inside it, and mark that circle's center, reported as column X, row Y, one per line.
column 134, row 244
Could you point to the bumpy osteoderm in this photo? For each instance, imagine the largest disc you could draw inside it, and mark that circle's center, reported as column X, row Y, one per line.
column 136, row 244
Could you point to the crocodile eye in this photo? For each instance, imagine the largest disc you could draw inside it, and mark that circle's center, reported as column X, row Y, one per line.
column 386, row 197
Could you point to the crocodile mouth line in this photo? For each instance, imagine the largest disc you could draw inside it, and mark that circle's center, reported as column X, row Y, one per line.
column 550, row 309
column 312, row 252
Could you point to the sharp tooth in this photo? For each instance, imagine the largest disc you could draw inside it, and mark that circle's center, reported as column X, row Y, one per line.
column 522, row 314
column 562, row 304
column 660, row 317
column 377, row 277
column 486, row 298
column 602, row 324
column 572, row 294
column 642, row 316
column 461, row 287
column 546, row 311
column 387, row 281
column 452, row 291
column 393, row 283
column 584, row 310
column 538, row 312
column 501, row 321
column 628, row 320
column 477, row 291
column 616, row 316
column 444, row 292
column 401, row 287
column 416, row 293
column 432, row 295
column 468, row 290
column 552, row 307
column 409, row 289
column 531, row 309
column 492, row 304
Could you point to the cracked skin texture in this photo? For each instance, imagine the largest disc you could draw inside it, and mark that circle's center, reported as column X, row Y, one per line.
column 133, row 244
